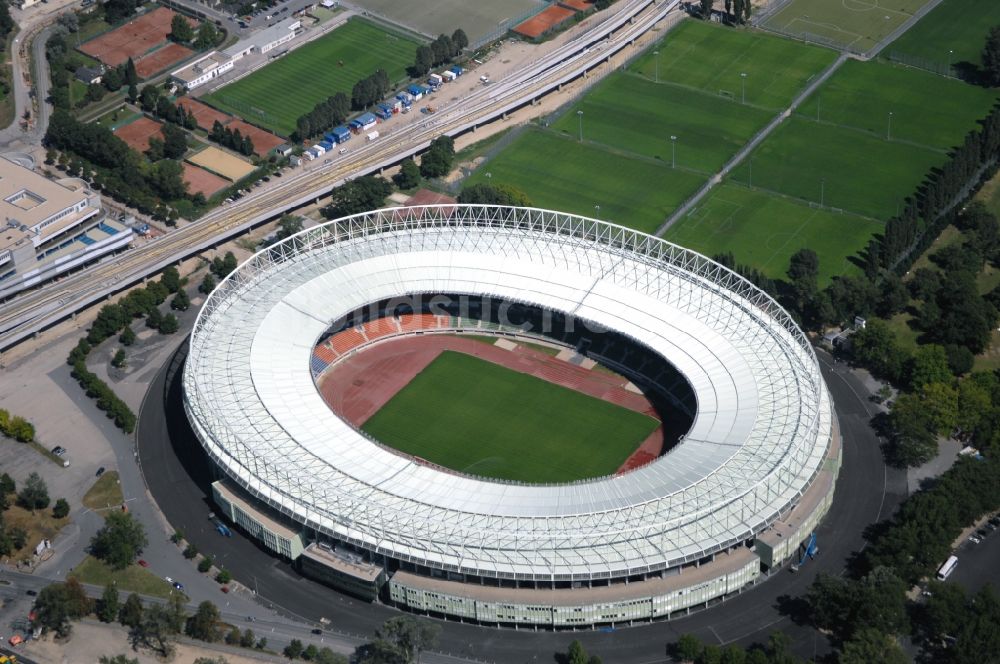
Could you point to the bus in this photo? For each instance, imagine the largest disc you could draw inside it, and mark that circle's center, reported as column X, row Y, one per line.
column 948, row 567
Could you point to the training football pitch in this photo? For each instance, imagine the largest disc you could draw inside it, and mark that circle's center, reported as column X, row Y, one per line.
column 556, row 171
column 275, row 96
column 764, row 230
column 927, row 109
column 950, row 35
column 854, row 24
column 479, row 418
column 712, row 59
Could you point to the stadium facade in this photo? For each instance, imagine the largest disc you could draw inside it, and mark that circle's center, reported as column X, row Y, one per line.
column 735, row 499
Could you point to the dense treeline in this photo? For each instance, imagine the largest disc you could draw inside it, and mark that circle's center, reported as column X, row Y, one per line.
column 440, row 51
column 370, row 90
column 104, row 396
column 231, row 138
column 494, row 194
column 436, row 161
column 6, row 24
column 118, row 170
column 359, row 195
column 16, row 427
column 326, row 115
column 152, row 100
column 689, row 648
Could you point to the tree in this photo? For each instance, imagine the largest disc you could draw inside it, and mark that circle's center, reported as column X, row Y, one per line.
column 576, row 653
column 991, row 56
column 95, row 92
column 118, row 659
column 359, row 195
column 293, row 650
column 58, row 603
column 437, row 160
column 7, row 485
column 207, row 284
column 494, row 194
column 207, row 36
column 706, row 8
column 870, row 645
column 248, row 638
column 411, row 636
column 205, row 624
column 169, row 324
column 876, row 348
column 459, row 41
column 223, row 577
column 61, row 509
column 408, row 176
column 120, row 359
column 180, row 29
column 112, row 79
column 108, row 606
column 205, row 564
column 154, row 319
column 127, row 337
column 914, row 442
column 688, row 647
column 288, row 225
column 155, row 630
column 423, row 62
column 181, row 301
column 803, row 271
column 130, row 614
column 174, row 141
column 309, row 654
column 190, row 551
column 327, row 656
column 120, row 541
column 34, row 495
column 929, row 365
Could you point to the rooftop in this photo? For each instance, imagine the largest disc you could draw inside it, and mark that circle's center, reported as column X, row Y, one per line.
column 27, row 199
column 265, row 36
column 203, row 64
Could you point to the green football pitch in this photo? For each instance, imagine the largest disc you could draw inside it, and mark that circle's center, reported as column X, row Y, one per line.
column 711, row 58
column 479, row 418
column 855, row 24
column 927, row 109
column 951, row 34
column 276, row 95
column 764, row 230
column 556, row 171
column 838, row 167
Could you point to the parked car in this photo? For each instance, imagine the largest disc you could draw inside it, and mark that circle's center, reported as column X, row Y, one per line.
column 31, row 593
column 100, row 471
column 317, row 631
column 974, row 539
column 59, row 450
column 178, row 585
column 983, row 533
column 143, row 563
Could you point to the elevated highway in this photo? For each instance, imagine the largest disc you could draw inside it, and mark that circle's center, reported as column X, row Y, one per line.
column 30, row 312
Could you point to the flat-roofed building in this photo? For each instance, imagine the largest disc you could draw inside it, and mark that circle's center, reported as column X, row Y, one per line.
column 49, row 226
column 202, row 70
column 266, row 40
column 343, row 570
column 284, row 539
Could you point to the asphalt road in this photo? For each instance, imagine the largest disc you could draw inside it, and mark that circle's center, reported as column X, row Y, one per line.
column 866, row 491
column 977, row 564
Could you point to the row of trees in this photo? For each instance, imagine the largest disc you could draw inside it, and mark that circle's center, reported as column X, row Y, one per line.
column 440, row 51
column 359, row 195
column 152, row 100
column 689, row 648
column 231, row 138
column 105, row 397
column 325, row 115
column 737, row 11
column 370, row 90
column 16, row 427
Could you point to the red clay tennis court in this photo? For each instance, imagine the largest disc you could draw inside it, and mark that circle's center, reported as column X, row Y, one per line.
column 138, row 133
column 263, row 141
column 204, row 115
column 578, row 5
column 162, row 58
column 539, row 24
column 132, row 40
column 200, row 180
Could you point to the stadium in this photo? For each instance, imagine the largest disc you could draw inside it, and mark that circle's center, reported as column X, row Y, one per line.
column 750, row 447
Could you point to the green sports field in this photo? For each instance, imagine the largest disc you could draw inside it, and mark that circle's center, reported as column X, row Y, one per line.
column 953, row 33
column 733, row 215
column 632, row 191
column 479, row 418
column 855, row 24
column 636, row 115
column 276, row 95
column 927, row 109
column 710, row 58
column 842, row 168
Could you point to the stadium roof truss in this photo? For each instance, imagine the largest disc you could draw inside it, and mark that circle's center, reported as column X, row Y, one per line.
column 758, row 438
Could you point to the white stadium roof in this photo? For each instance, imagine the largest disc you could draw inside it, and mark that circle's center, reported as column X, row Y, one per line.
column 759, row 436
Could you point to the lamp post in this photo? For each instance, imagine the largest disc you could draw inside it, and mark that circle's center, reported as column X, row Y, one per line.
column 743, row 81
column 822, row 191
column 597, row 211
column 656, row 56
column 673, row 151
column 579, row 115
column 888, row 131
column 951, row 56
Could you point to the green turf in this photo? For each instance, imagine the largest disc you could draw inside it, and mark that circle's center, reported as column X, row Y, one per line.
column 927, row 109
column 276, row 95
column 953, row 33
column 631, row 191
column 764, row 230
column 854, row 24
column 710, row 58
column 631, row 113
column 846, row 168
column 483, row 419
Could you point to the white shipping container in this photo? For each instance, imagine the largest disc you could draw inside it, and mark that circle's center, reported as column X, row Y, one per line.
column 372, row 136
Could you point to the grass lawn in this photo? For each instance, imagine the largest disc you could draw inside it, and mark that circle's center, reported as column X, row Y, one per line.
column 856, row 24
column 276, row 95
column 926, row 108
column 764, row 230
column 90, row 28
column 848, row 169
column 132, row 579
column 634, row 114
column 630, row 191
column 989, row 194
column 106, row 492
column 483, row 419
column 953, row 32
column 39, row 525
column 711, row 58
column 117, row 118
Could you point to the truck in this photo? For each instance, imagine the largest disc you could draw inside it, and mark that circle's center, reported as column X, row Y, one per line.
column 947, row 568
column 372, row 136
